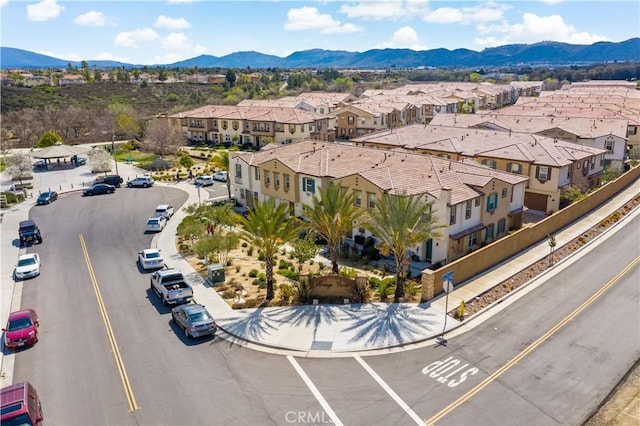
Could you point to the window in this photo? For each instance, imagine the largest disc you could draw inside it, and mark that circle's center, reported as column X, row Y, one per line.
column 452, row 215
column 224, row 124
column 593, row 163
column 309, row 185
column 504, row 192
column 287, row 182
column 302, row 128
column 502, row 224
column 473, row 239
column 515, row 168
column 608, row 145
column 276, row 180
column 467, row 210
column 490, row 163
column 351, row 120
column 488, row 234
column 238, row 168
column 477, row 202
column 602, row 159
column 256, row 174
column 371, row 200
column 235, row 125
column 267, row 177
column 543, row 173
column 243, row 195
column 492, row 202
column 358, row 198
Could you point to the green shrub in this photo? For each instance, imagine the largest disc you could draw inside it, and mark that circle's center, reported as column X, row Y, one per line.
column 261, row 256
column 229, row 294
column 292, row 275
column 286, row 292
column 262, row 276
column 250, row 251
column 253, row 273
column 284, row 264
column 244, row 244
column 384, row 290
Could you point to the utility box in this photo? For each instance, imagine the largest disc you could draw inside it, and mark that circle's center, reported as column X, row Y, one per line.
column 215, row 273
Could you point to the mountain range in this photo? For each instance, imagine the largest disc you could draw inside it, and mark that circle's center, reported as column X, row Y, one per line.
column 545, row 53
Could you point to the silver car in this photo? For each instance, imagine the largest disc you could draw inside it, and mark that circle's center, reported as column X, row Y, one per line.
column 194, row 319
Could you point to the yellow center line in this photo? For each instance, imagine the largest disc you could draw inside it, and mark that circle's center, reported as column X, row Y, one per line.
column 531, row 347
column 133, row 405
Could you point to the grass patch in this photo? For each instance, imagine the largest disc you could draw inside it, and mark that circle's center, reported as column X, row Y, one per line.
column 140, row 158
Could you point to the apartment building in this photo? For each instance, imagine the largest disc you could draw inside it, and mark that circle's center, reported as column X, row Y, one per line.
column 606, row 134
column 248, row 125
column 548, row 164
column 475, row 204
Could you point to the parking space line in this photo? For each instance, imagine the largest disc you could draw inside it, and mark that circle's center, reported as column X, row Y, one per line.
column 390, row 391
column 325, row 405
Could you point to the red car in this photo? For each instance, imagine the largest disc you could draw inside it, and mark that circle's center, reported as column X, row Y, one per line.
column 22, row 329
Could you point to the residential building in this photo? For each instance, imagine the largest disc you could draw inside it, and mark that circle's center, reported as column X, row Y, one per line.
column 549, row 164
column 475, row 204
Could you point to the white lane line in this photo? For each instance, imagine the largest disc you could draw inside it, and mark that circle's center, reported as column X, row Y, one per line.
column 390, row 391
column 336, row 421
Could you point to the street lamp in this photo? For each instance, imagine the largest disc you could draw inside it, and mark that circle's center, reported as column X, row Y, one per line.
column 447, row 286
column 113, row 148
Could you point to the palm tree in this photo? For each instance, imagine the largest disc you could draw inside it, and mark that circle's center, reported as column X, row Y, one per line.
column 221, row 161
column 400, row 222
column 268, row 226
column 332, row 215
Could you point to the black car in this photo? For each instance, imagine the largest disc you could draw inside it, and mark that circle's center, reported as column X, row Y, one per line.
column 99, row 188
column 47, row 197
column 113, row 180
column 28, row 231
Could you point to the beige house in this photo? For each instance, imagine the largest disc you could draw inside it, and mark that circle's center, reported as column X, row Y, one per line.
column 549, row 164
column 256, row 126
column 476, row 204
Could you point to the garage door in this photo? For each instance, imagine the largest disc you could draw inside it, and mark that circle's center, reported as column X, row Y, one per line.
column 536, row 201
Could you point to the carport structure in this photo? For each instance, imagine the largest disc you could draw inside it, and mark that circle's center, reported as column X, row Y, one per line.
column 58, row 151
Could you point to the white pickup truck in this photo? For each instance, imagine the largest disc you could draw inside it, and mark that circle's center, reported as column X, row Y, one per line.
column 170, row 286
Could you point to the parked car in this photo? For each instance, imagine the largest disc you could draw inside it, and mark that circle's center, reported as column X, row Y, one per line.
column 194, row 319
column 150, row 259
column 47, row 197
column 220, row 176
column 170, row 286
column 81, row 161
column 140, row 182
column 156, row 224
column 28, row 266
column 22, row 329
column 39, row 165
column 204, row 180
column 28, row 231
column 114, row 180
column 20, row 405
column 165, row 210
column 99, row 188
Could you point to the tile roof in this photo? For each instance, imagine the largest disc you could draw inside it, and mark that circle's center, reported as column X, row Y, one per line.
column 273, row 114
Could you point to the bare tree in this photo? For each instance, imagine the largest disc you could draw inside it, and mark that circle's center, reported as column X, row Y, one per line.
column 100, row 160
column 163, row 138
column 19, row 166
column 25, row 125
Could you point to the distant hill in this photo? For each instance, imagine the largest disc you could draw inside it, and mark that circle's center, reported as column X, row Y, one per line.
column 539, row 54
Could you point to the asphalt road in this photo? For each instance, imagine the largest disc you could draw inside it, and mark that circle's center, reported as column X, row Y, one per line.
column 109, row 354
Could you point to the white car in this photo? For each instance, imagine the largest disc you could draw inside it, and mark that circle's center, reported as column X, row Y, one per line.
column 150, row 259
column 220, row 176
column 204, row 180
column 28, row 266
column 156, row 224
column 165, row 210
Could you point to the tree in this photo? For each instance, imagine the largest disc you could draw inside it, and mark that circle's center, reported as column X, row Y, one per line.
column 230, row 77
column 332, row 215
column 267, row 227
column 304, row 249
column 221, row 161
column 100, row 160
column 400, row 222
column 49, row 139
column 163, row 138
column 186, row 161
column 19, row 166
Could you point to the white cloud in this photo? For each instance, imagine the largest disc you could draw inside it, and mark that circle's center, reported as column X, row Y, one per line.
column 309, row 18
column 181, row 1
column 3, row 2
column 375, row 10
column 131, row 38
column 533, row 29
column 551, row 2
column 107, row 56
column 490, row 12
column 91, row 19
column 172, row 23
column 178, row 45
column 43, row 11
column 404, row 38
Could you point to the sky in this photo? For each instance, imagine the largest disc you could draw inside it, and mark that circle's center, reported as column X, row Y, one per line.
column 149, row 32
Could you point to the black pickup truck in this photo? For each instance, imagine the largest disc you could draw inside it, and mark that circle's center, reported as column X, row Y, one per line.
column 29, row 232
